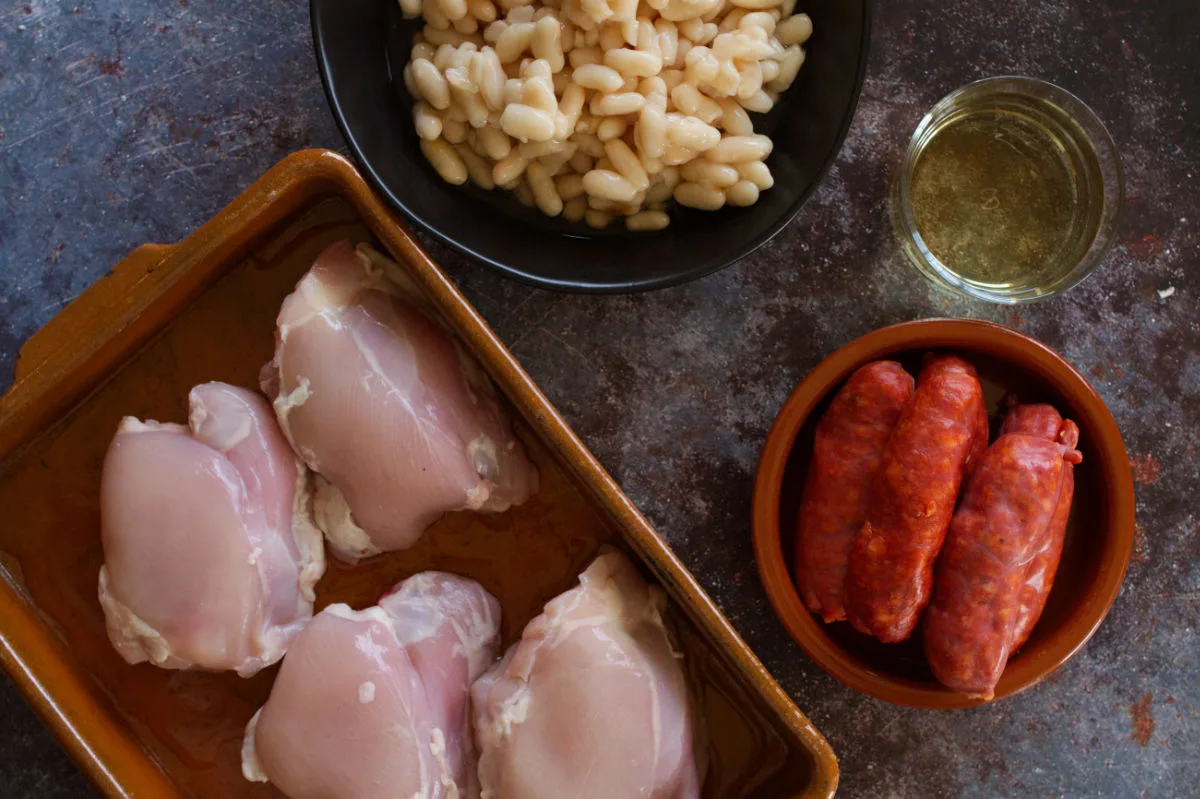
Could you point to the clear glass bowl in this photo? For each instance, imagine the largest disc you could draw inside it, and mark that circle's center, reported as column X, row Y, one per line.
column 1085, row 164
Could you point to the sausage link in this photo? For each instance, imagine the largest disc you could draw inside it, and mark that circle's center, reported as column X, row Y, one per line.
column 1036, row 419
column 1044, row 421
column 891, row 563
column 1001, row 552
column 848, row 448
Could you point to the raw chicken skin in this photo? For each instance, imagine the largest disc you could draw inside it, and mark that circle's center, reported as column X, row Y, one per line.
column 372, row 704
column 399, row 424
column 591, row 703
column 210, row 555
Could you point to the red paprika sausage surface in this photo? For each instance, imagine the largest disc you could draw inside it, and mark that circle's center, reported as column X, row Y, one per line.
column 891, row 563
column 1001, row 551
column 848, row 448
column 1045, row 422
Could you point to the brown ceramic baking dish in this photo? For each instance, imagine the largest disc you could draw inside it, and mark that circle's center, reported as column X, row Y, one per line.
column 168, row 317
column 1099, row 538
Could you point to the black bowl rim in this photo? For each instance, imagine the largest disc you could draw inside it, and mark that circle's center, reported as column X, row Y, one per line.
column 583, row 286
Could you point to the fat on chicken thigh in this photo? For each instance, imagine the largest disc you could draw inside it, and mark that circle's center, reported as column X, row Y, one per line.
column 592, row 701
column 210, row 554
column 373, row 704
column 399, row 424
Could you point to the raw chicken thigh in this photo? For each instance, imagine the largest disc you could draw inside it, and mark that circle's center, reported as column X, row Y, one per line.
column 592, row 701
column 372, row 704
column 210, row 554
column 399, row 424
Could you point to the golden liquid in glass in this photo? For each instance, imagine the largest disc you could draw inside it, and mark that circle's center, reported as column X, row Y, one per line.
column 1005, row 197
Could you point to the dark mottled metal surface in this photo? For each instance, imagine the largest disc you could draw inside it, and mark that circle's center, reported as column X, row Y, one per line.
column 127, row 122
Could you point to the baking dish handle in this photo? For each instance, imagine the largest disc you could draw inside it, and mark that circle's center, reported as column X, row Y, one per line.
column 73, row 352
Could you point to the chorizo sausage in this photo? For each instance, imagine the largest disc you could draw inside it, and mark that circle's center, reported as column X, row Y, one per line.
column 1045, row 422
column 1001, row 551
column 847, row 450
column 890, row 573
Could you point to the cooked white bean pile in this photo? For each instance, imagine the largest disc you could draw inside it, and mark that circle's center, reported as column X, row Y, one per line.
column 595, row 109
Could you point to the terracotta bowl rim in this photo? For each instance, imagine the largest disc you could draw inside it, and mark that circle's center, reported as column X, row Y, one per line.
column 999, row 342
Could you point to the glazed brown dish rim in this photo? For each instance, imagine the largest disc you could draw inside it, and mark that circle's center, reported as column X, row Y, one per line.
column 54, row 375
column 996, row 341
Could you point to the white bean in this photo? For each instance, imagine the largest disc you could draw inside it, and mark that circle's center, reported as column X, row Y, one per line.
column 757, row 173
column 422, row 49
column 454, row 130
column 575, row 208
column 597, row 219
column 794, row 30
column 634, row 62
column 556, row 162
column 732, row 20
column 689, row 100
column 722, row 176
column 477, row 168
column 647, row 220
column 445, row 160
column 582, row 56
column 434, row 16
column 742, row 193
column 482, row 10
column 495, row 143
column 751, row 80
column 524, row 194
column 756, row 5
column 526, row 123
column 659, row 192
column 698, row 195
column 538, row 92
column 610, row 105
column 611, row 128
column 581, row 162
column 735, row 149
column 693, row 134
column 509, row 169
column 544, row 193
column 728, row 78
column 513, row 42
column 702, row 66
column 494, row 31
column 569, row 186
column 590, row 145
column 759, row 19
column 537, row 149
column 488, row 75
column 608, row 185
column 676, row 154
column 760, row 102
column 547, row 42
column 734, row 119
column 432, row 84
column 599, row 77
column 789, row 67
column 427, row 122
column 627, row 164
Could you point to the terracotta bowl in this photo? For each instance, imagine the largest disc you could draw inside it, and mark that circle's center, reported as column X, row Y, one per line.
column 1099, row 537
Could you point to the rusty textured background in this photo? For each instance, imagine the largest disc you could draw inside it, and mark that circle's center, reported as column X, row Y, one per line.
column 127, row 121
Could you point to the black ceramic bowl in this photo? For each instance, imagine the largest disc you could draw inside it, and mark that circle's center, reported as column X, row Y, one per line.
column 362, row 46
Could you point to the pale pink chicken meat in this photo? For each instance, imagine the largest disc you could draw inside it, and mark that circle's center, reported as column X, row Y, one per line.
column 592, row 701
column 210, row 554
column 373, row 704
column 398, row 423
